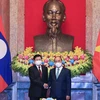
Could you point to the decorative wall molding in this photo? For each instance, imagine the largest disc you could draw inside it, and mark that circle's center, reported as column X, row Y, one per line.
column 92, row 23
column 16, row 26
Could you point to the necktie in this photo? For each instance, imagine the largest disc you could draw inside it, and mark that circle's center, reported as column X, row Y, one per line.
column 57, row 74
column 40, row 71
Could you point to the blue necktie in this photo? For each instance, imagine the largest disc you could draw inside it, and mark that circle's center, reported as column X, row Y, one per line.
column 57, row 74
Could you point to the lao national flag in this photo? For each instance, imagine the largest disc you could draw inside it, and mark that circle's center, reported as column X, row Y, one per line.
column 5, row 62
column 96, row 59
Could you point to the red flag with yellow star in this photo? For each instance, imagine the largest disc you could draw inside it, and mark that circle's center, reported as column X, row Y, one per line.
column 96, row 59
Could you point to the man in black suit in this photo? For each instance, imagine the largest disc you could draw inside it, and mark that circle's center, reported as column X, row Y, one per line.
column 38, row 75
column 60, row 81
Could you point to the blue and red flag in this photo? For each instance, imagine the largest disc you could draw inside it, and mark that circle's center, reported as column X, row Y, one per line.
column 5, row 61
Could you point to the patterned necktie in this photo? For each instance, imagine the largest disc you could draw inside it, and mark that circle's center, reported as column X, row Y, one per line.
column 57, row 74
column 40, row 71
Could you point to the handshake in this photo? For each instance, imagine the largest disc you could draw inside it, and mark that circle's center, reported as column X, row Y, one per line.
column 45, row 86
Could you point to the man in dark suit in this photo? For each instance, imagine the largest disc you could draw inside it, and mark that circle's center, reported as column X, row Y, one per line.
column 60, row 81
column 38, row 75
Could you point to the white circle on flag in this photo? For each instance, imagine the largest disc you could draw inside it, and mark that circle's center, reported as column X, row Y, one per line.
column 3, row 49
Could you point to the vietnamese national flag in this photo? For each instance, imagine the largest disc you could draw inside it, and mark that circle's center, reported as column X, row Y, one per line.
column 5, row 61
column 96, row 59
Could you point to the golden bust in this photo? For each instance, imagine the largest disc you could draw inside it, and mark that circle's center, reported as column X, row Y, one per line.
column 54, row 40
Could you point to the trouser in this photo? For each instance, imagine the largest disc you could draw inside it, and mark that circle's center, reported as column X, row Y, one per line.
column 34, row 98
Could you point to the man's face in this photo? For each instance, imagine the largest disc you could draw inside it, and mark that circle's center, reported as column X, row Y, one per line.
column 58, row 62
column 57, row 59
column 54, row 16
column 38, row 59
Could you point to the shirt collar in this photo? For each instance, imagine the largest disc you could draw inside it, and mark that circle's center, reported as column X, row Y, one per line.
column 60, row 68
column 38, row 67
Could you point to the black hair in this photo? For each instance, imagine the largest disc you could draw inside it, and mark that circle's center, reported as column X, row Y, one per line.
column 37, row 55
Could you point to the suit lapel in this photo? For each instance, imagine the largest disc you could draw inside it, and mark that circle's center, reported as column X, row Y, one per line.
column 54, row 73
column 42, row 70
column 36, row 69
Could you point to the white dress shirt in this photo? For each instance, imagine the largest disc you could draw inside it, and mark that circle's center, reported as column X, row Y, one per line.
column 60, row 69
column 40, row 68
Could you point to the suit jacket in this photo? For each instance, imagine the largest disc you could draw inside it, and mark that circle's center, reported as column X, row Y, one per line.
column 36, row 88
column 61, row 87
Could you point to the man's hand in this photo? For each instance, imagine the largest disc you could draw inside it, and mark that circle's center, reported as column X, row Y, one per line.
column 67, row 97
column 45, row 86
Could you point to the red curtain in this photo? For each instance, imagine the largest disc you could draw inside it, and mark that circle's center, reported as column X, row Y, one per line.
column 74, row 25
